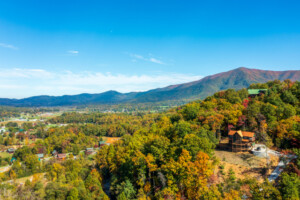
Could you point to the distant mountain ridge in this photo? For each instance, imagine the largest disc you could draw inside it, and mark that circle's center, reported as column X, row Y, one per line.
column 237, row 79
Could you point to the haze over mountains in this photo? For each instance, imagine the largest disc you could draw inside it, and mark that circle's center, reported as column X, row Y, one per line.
column 236, row 79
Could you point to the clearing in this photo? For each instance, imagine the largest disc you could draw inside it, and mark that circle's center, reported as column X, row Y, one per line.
column 5, row 155
column 111, row 140
column 38, row 176
column 246, row 164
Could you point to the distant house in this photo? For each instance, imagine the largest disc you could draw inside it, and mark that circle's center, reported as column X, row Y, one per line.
column 240, row 141
column 32, row 137
column 89, row 151
column 102, row 143
column 40, row 156
column 10, row 150
column 2, row 129
column 61, row 156
column 54, row 153
column 256, row 92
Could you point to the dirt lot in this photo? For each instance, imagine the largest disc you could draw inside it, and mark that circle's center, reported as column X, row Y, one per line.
column 111, row 140
column 35, row 177
column 245, row 164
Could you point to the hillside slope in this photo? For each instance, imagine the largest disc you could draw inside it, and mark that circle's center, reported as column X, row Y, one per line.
column 237, row 79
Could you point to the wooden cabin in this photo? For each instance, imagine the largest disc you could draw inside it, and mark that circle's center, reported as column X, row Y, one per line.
column 61, row 156
column 240, row 141
column 11, row 150
column 89, row 151
column 102, row 143
column 54, row 153
column 40, row 156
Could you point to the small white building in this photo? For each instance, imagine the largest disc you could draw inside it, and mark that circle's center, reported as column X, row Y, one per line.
column 2, row 130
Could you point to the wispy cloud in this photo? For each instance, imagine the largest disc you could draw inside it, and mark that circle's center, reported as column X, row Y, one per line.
column 9, row 46
column 24, row 73
column 144, row 58
column 18, row 83
column 137, row 56
column 154, row 60
column 73, row 52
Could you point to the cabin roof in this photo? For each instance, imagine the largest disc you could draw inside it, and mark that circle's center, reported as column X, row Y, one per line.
column 248, row 134
column 242, row 133
column 61, row 155
column 256, row 91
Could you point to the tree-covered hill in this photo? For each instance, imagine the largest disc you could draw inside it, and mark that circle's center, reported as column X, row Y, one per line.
column 174, row 158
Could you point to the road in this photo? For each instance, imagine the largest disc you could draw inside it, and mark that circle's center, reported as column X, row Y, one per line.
column 261, row 150
column 281, row 165
column 4, row 169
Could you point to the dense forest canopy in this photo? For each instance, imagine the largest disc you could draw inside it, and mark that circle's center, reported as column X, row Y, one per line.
column 163, row 156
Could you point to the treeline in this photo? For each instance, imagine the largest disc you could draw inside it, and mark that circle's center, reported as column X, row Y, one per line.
column 134, row 108
column 9, row 111
column 99, row 124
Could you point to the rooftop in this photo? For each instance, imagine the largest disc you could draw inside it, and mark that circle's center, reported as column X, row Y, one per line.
column 242, row 133
column 256, row 91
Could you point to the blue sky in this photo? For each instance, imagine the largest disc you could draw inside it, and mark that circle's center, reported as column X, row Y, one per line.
column 60, row 47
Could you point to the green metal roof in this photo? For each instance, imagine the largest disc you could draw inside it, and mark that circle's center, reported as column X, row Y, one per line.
column 256, row 91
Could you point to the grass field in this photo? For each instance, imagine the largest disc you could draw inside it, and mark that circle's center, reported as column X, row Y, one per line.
column 5, row 155
column 18, row 122
column 52, row 126
column 4, row 163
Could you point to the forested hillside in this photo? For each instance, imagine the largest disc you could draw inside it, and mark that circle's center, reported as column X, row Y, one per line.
column 174, row 158
column 164, row 156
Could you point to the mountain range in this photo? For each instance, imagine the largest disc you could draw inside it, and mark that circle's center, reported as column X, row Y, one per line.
column 238, row 78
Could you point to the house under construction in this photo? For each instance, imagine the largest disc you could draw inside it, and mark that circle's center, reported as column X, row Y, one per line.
column 240, row 141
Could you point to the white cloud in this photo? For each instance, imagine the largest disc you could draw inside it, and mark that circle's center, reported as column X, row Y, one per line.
column 73, row 52
column 154, row 60
column 24, row 73
column 9, row 46
column 150, row 59
column 137, row 56
column 19, row 83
